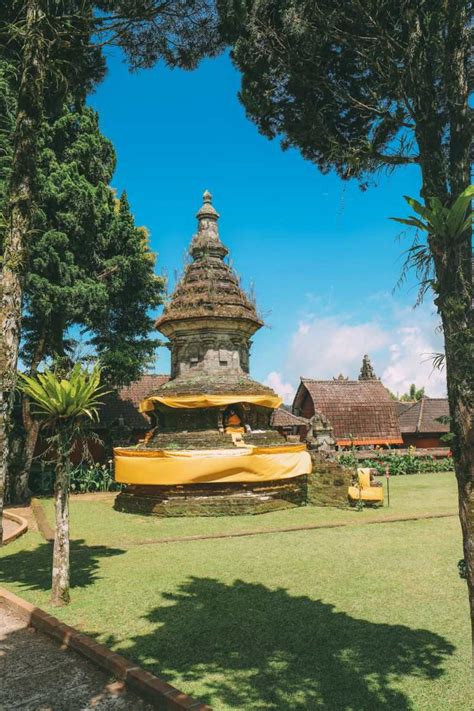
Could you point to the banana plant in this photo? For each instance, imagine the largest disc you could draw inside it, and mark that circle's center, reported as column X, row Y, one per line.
column 63, row 404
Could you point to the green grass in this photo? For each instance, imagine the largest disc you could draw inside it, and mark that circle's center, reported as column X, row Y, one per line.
column 357, row 618
column 415, row 494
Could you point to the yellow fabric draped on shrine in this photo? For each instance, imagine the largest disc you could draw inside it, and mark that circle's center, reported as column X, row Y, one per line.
column 197, row 401
column 251, row 464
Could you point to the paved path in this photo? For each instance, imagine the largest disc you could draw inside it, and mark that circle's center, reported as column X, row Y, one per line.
column 37, row 675
column 9, row 527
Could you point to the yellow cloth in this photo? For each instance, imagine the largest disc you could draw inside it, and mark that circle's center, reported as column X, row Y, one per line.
column 197, row 401
column 364, row 491
column 249, row 464
column 364, row 478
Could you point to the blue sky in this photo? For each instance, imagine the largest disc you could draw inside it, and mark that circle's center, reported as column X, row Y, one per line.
column 322, row 255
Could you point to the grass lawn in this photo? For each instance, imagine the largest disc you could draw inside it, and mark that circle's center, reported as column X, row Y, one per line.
column 423, row 493
column 356, row 618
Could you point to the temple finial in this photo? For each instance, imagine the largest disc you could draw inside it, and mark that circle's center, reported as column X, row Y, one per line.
column 206, row 240
column 367, row 372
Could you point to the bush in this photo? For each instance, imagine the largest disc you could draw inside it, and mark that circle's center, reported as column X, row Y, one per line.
column 93, row 477
column 400, row 464
column 85, row 478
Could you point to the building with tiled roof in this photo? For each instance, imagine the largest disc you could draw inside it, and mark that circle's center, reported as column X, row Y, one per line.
column 361, row 412
column 121, row 407
column 423, row 423
column 287, row 423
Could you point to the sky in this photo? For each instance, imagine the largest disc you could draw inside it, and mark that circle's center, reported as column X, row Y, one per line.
column 321, row 255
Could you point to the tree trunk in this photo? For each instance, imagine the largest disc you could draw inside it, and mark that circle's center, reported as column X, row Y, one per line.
column 60, row 578
column 445, row 175
column 21, row 491
column 21, row 193
column 454, row 274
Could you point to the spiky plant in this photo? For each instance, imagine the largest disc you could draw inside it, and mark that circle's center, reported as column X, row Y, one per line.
column 443, row 227
column 63, row 405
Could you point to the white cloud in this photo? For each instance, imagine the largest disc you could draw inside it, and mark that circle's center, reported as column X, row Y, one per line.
column 411, row 361
column 322, row 347
column 285, row 390
column 401, row 345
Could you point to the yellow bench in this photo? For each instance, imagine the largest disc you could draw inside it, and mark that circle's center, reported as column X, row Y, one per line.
column 363, row 491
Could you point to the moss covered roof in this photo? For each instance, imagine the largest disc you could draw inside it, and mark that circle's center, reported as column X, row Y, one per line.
column 215, row 384
column 209, row 288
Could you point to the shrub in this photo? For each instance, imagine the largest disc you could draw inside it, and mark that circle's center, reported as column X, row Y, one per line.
column 85, row 478
column 93, row 477
column 399, row 464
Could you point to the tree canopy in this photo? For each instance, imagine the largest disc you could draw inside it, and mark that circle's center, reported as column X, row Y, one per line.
column 369, row 85
column 357, row 87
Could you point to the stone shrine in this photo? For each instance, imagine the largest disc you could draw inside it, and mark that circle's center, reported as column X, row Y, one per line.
column 211, row 449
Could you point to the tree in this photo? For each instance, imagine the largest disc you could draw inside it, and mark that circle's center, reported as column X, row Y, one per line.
column 63, row 404
column 89, row 268
column 56, row 39
column 413, row 394
column 370, row 85
column 119, row 327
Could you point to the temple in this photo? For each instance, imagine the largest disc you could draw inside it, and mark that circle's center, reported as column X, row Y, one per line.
column 211, row 449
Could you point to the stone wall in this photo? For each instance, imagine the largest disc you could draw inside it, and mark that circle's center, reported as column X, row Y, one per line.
column 328, row 483
column 233, row 499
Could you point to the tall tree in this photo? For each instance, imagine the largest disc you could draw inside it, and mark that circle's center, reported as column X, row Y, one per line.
column 89, row 268
column 55, row 36
column 369, row 85
column 120, row 324
column 413, row 394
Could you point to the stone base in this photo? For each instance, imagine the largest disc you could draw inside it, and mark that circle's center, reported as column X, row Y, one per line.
column 328, row 483
column 213, row 499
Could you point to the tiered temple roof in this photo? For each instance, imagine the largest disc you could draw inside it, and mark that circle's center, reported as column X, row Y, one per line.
column 209, row 288
column 209, row 321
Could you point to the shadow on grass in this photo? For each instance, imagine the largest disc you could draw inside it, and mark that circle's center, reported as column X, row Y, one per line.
column 32, row 568
column 249, row 647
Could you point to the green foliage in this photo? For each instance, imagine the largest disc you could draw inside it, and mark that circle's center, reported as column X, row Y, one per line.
column 89, row 265
column 444, row 227
column 84, row 478
column 120, row 324
column 60, row 401
column 400, row 464
column 346, row 83
column 179, row 33
column 93, row 477
column 414, row 394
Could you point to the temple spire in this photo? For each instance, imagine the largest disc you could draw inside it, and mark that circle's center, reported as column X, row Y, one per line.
column 207, row 241
column 367, row 372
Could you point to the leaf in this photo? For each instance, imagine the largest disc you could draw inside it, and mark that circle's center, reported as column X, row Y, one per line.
column 411, row 222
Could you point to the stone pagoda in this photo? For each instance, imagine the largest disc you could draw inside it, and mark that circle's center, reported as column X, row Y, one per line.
column 209, row 323
column 210, row 419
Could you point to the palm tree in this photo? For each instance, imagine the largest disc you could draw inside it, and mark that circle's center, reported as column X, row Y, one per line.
column 63, row 404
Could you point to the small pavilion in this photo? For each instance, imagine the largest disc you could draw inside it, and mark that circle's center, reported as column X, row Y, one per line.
column 212, row 448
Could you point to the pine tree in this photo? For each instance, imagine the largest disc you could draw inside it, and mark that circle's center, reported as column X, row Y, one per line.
column 57, row 44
